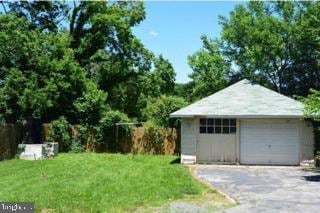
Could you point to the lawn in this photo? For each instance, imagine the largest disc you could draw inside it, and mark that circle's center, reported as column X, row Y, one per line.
column 93, row 182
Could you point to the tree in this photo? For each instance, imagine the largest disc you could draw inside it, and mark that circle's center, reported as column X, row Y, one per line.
column 158, row 110
column 274, row 43
column 103, row 42
column 306, row 64
column 164, row 75
column 104, row 25
column 209, row 69
column 43, row 15
column 161, row 80
column 91, row 105
column 184, row 90
column 39, row 76
column 101, row 39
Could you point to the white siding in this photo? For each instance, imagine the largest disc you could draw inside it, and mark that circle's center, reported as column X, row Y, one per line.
column 228, row 148
column 188, row 140
column 307, row 140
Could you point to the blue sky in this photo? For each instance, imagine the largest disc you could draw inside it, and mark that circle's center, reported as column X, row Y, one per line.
column 174, row 29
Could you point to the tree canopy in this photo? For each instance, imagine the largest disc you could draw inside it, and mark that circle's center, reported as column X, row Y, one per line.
column 210, row 69
column 81, row 60
column 275, row 44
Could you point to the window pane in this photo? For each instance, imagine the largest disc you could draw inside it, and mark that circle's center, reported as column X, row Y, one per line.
column 233, row 122
column 210, row 129
column 203, row 121
column 217, row 122
column 225, row 130
column 217, row 130
column 225, row 122
column 233, row 129
column 203, row 129
column 210, row 121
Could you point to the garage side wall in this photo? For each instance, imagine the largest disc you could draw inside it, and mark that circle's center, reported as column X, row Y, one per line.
column 307, row 140
column 188, row 140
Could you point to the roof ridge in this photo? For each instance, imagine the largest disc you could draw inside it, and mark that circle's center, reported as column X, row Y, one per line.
column 230, row 86
column 220, row 91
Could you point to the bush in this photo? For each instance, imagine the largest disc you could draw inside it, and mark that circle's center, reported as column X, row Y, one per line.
column 80, row 138
column 61, row 132
column 106, row 128
column 312, row 105
column 114, row 116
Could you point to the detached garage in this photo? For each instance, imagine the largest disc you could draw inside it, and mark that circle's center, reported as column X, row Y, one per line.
column 248, row 124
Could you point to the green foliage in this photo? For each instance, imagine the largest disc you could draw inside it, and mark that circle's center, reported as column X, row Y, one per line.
column 155, row 137
column 107, row 125
column 81, row 136
column 112, row 117
column 209, row 68
column 91, row 105
column 158, row 110
column 275, row 44
column 45, row 15
column 163, row 76
column 49, row 70
column 39, row 75
column 61, row 132
column 184, row 90
column 105, row 25
column 312, row 110
column 103, row 41
column 71, row 138
column 312, row 105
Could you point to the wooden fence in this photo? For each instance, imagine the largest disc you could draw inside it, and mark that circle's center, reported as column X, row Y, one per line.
column 143, row 141
column 10, row 137
column 138, row 140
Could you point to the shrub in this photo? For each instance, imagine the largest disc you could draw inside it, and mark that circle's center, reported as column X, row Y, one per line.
column 154, row 138
column 105, row 130
column 61, row 132
column 312, row 105
column 80, row 138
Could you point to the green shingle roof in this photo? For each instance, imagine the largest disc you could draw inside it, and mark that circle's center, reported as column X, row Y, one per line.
column 246, row 100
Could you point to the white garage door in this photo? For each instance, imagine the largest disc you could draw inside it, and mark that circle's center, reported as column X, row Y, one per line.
column 274, row 143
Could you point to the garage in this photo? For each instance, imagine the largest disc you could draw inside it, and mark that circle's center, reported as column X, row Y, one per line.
column 269, row 143
column 245, row 123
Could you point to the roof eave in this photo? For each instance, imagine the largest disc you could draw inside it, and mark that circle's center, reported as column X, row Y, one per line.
column 181, row 116
column 238, row 116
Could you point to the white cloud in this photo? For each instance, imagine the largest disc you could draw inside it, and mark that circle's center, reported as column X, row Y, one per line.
column 153, row 33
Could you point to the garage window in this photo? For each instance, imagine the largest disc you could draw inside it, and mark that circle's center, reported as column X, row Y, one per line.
column 217, row 126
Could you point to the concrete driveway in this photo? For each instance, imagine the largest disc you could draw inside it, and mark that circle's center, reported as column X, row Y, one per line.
column 264, row 188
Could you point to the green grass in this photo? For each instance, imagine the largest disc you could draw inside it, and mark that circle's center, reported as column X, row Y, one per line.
column 93, row 182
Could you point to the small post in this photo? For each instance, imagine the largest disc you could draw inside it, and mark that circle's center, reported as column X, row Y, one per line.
column 117, row 137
